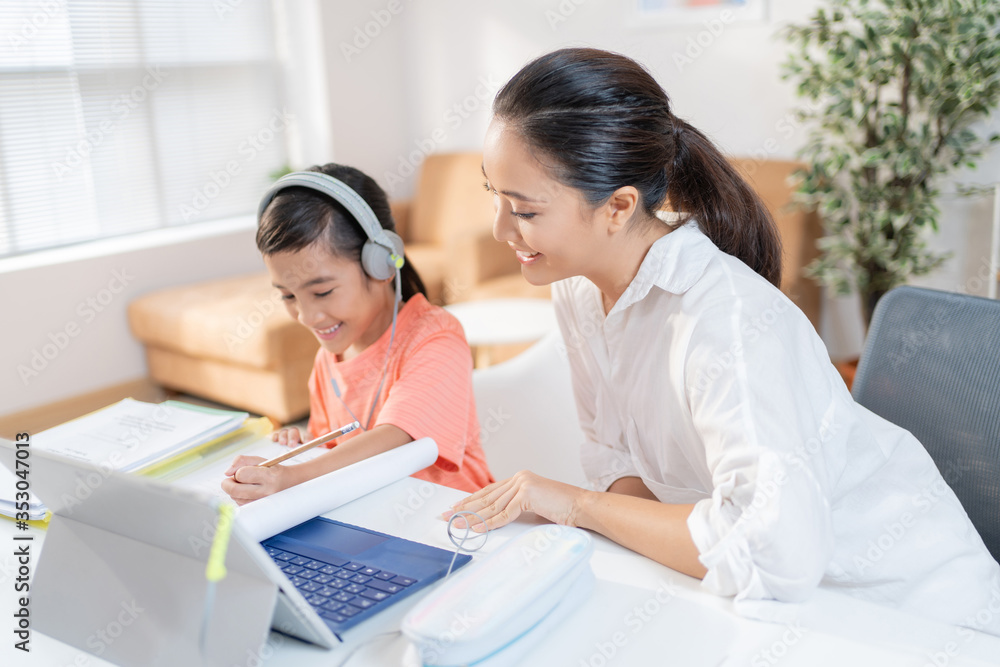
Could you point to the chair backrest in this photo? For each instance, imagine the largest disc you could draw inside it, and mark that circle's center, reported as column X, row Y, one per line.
column 527, row 414
column 932, row 365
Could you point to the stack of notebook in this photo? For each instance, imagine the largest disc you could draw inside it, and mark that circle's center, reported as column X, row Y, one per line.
column 129, row 436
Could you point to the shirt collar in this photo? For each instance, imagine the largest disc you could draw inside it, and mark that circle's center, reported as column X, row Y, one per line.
column 674, row 263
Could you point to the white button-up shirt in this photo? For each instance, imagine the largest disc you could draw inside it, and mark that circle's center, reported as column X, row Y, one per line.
column 707, row 383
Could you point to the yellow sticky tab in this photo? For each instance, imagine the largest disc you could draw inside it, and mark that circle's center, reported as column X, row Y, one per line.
column 216, row 567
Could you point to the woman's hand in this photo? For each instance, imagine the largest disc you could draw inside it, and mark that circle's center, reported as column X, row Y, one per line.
column 290, row 437
column 502, row 502
column 246, row 480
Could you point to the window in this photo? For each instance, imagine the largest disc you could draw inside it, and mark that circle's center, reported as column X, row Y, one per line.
column 126, row 115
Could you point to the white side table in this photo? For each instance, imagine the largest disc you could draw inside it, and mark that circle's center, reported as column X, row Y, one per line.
column 502, row 322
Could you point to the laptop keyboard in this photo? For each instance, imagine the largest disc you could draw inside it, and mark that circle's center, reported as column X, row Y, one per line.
column 342, row 592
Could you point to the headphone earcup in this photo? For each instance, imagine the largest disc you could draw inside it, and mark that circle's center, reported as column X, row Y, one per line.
column 376, row 260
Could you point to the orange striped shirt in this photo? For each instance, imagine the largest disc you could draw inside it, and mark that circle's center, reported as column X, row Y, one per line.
column 427, row 392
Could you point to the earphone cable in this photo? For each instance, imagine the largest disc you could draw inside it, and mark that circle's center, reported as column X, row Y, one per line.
column 385, row 363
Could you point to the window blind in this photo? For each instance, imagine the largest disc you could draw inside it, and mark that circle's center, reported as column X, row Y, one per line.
column 121, row 116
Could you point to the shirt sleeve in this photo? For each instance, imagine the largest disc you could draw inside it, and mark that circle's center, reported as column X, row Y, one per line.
column 766, row 411
column 432, row 396
column 604, row 460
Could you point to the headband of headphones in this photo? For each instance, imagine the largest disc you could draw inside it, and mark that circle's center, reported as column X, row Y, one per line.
column 382, row 255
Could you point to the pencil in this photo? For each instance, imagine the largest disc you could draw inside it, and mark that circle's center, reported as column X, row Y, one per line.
column 323, row 439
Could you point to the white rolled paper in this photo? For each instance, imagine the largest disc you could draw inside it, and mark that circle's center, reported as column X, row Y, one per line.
column 269, row 516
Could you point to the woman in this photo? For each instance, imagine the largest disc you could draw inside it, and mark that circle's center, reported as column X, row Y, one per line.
column 720, row 440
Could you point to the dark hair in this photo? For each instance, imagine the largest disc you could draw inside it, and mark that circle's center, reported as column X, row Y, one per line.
column 602, row 122
column 298, row 216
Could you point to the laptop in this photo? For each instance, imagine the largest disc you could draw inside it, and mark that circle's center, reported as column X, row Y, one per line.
column 124, row 546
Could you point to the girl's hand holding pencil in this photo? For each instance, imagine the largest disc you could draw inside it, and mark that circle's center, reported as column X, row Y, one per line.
column 253, row 477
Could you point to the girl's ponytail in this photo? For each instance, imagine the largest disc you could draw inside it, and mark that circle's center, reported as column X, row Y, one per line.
column 702, row 183
column 412, row 284
column 604, row 123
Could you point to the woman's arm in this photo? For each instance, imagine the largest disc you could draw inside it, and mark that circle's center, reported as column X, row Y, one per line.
column 647, row 526
column 247, row 481
column 632, row 486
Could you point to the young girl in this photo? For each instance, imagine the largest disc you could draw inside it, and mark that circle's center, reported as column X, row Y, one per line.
column 403, row 375
column 719, row 438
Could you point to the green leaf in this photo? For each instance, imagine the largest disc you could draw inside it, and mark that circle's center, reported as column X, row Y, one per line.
column 875, row 166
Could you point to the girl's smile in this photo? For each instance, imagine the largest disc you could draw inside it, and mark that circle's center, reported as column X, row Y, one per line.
column 328, row 334
column 345, row 309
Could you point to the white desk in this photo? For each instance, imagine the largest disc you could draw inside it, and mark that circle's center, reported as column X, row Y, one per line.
column 644, row 613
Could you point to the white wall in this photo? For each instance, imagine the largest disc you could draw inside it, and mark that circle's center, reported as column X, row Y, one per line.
column 64, row 324
column 433, row 56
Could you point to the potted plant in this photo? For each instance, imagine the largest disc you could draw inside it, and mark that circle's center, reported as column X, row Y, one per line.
column 894, row 91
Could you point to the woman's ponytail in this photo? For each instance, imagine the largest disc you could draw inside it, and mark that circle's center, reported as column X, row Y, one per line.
column 604, row 123
column 702, row 183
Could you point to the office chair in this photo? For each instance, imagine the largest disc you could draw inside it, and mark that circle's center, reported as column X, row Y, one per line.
column 931, row 364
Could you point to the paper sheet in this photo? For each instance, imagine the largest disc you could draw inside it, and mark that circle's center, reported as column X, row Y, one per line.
column 269, row 516
column 208, row 478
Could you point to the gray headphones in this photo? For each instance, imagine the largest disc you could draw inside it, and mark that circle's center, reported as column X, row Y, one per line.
column 382, row 254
